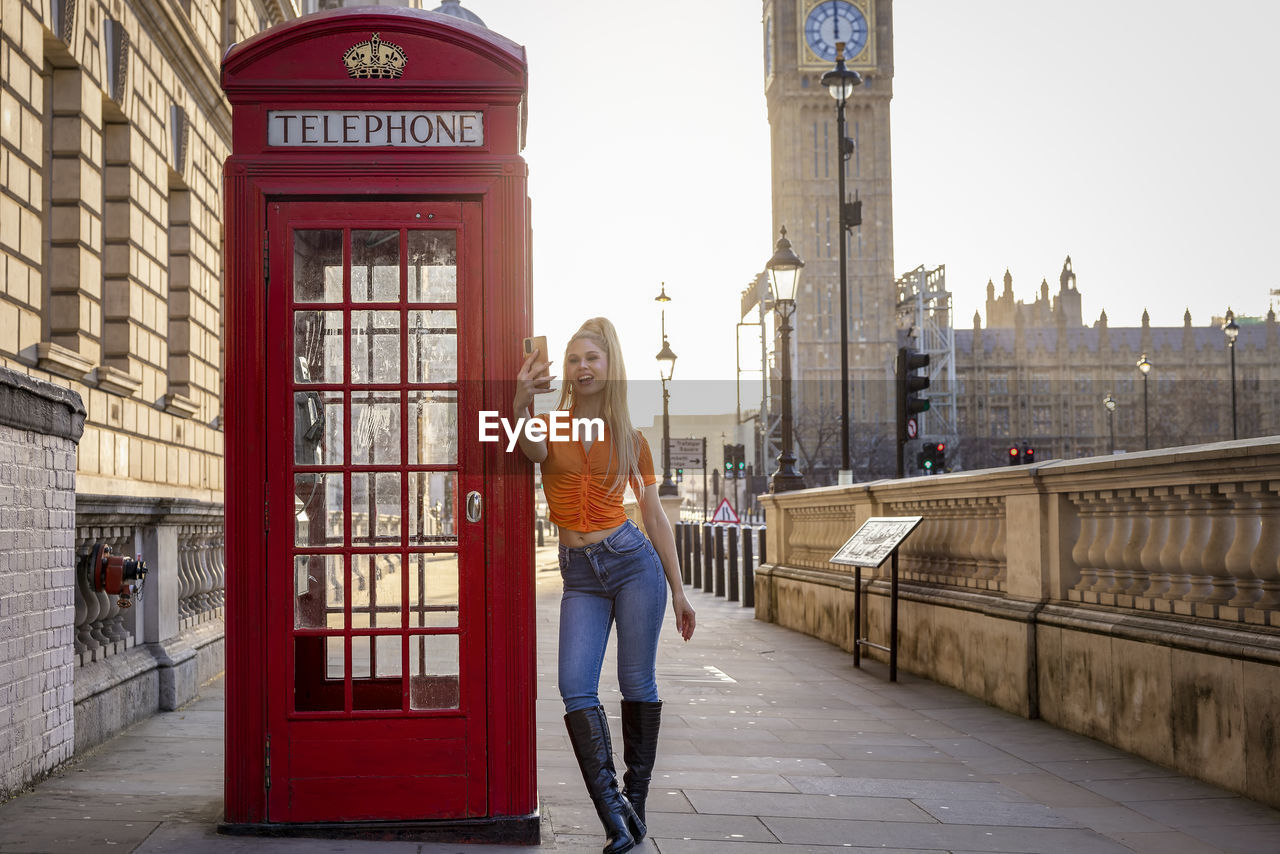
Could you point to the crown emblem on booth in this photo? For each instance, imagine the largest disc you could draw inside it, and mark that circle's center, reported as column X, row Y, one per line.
column 374, row 59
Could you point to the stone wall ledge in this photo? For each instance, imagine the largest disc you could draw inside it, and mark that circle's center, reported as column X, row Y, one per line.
column 27, row 403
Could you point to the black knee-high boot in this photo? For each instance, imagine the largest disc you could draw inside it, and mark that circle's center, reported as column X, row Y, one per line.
column 640, row 724
column 589, row 734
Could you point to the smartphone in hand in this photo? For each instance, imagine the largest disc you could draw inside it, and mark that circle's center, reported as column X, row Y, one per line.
column 539, row 343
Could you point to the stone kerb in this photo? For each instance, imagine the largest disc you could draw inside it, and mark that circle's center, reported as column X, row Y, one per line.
column 40, row 425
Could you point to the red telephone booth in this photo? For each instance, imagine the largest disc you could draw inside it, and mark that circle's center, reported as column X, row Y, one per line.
column 380, row 624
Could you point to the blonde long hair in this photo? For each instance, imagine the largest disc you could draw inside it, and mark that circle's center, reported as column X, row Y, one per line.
column 626, row 453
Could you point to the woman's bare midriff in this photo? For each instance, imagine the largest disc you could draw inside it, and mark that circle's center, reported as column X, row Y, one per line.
column 578, row 539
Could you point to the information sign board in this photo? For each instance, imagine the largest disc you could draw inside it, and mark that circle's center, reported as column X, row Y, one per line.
column 872, row 544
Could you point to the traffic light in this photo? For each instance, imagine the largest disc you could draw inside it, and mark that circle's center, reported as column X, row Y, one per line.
column 1021, row 455
column 932, row 457
column 909, row 385
column 679, row 475
column 740, row 461
column 729, row 456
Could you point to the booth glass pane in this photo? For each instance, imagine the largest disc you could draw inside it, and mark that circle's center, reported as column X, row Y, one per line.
column 433, row 497
column 433, row 672
column 433, row 346
column 317, row 346
column 317, row 265
column 375, row 656
column 317, row 428
column 375, row 508
column 318, row 508
column 375, row 347
column 375, row 428
column 433, row 428
column 375, row 266
column 375, row 591
column 433, row 590
column 319, row 671
column 318, row 592
column 433, row 266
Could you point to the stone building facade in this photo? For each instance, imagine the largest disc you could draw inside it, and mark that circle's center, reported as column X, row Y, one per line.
column 113, row 132
column 1035, row 373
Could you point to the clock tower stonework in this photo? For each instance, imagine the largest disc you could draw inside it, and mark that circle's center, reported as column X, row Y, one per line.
column 799, row 41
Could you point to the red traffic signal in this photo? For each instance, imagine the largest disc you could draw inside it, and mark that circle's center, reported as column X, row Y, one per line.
column 1029, row 455
column 1014, row 454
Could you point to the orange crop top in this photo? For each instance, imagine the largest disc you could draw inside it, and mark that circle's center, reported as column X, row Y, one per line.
column 576, row 483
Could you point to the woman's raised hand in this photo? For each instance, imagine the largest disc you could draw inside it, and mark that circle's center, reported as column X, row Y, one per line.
column 532, row 379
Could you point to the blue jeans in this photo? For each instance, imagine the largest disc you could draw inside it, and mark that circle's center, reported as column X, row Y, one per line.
column 618, row 579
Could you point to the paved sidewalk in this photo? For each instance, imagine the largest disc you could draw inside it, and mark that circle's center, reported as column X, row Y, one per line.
column 770, row 739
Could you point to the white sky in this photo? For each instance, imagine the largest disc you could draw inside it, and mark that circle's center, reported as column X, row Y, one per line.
column 1140, row 137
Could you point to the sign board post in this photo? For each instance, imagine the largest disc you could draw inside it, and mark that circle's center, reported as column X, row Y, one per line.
column 877, row 540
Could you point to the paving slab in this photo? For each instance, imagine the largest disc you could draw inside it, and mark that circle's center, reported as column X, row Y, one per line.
column 771, row 741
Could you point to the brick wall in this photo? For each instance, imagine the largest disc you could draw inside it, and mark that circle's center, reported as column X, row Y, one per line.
column 39, row 427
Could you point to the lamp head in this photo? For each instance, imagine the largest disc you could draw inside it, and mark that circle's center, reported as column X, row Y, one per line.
column 1109, row 402
column 841, row 81
column 784, row 269
column 666, row 361
column 1143, row 365
column 1231, row 329
column 662, row 297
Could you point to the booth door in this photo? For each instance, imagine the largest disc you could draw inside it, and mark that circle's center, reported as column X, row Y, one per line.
column 375, row 578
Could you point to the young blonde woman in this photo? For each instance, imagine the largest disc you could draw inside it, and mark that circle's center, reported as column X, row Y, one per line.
column 612, row 573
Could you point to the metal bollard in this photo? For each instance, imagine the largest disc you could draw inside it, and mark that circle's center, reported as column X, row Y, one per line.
column 748, row 569
column 684, row 564
column 719, row 560
column 708, row 556
column 540, row 535
column 695, row 545
column 733, row 565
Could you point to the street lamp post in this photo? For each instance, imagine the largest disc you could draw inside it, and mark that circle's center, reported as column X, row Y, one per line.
column 666, row 367
column 840, row 83
column 1109, row 403
column 784, row 270
column 1232, row 330
column 1145, row 367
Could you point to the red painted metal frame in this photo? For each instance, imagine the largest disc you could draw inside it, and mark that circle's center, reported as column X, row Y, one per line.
column 452, row 65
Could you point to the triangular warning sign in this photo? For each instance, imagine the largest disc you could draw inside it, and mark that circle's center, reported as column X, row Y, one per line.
column 725, row 513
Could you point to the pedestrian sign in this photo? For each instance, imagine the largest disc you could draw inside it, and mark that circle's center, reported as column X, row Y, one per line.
column 725, row 514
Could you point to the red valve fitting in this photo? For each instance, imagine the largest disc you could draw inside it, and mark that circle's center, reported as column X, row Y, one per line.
column 116, row 575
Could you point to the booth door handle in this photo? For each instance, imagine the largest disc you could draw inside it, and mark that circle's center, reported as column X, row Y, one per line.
column 474, row 504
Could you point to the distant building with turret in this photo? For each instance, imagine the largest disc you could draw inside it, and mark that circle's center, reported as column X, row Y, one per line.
column 1037, row 374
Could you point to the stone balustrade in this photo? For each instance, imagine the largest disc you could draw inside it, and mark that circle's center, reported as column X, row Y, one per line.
column 1134, row 598
column 155, row 654
column 1190, row 531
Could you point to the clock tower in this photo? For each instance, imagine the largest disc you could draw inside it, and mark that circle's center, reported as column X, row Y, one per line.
column 800, row 39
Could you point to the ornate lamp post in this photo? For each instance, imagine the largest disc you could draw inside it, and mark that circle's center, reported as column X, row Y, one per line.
column 666, row 367
column 1109, row 403
column 840, row 83
column 1145, row 368
column 1232, row 330
column 784, row 271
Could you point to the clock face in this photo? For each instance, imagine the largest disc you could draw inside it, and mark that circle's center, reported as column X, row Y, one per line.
column 768, row 47
column 835, row 21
